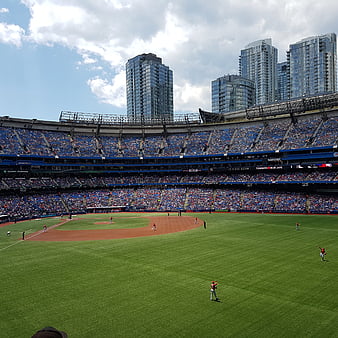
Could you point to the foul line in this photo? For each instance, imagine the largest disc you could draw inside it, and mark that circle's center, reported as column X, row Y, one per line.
column 17, row 242
column 11, row 245
column 34, row 235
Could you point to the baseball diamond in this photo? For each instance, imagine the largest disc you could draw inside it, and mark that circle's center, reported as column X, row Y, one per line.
column 165, row 225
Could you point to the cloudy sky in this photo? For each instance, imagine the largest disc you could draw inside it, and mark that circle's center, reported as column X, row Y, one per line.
column 70, row 54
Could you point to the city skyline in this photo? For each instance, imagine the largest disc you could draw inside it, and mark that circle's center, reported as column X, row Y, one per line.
column 310, row 69
column 71, row 56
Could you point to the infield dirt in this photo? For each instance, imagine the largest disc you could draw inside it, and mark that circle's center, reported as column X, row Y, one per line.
column 164, row 225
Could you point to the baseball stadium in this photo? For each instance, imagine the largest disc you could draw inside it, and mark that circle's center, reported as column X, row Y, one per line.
column 116, row 228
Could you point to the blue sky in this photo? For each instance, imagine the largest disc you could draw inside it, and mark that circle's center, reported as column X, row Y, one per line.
column 39, row 81
column 70, row 54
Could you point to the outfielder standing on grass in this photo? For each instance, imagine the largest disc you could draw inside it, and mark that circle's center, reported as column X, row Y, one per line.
column 322, row 253
column 213, row 288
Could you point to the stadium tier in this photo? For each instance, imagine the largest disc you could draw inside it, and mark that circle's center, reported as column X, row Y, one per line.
column 309, row 132
column 286, row 163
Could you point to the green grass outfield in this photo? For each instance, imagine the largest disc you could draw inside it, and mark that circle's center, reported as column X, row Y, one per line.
column 271, row 280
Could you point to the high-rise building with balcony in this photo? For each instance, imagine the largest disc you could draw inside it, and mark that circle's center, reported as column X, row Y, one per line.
column 149, row 89
column 258, row 62
column 231, row 93
column 282, row 81
column 313, row 66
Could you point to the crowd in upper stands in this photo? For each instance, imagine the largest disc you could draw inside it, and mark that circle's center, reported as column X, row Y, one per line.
column 278, row 134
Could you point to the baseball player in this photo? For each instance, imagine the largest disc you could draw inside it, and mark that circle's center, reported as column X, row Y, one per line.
column 322, row 253
column 213, row 288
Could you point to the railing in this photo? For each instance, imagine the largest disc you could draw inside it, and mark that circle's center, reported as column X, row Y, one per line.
column 112, row 119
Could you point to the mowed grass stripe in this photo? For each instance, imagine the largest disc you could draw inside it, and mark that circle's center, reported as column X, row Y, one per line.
column 271, row 282
column 84, row 223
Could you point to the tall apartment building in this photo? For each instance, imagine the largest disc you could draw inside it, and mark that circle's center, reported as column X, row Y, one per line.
column 258, row 62
column 230, row 93
column 313, row 66
column 149, row 89
column 282, row 81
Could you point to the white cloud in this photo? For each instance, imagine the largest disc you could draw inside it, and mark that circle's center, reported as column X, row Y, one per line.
column 4, row 10
column 11, row 34
column 173, row 34
column 56, row 23
column 111, row 92
column 120, row 4
column 88, row 60
column 187, row 93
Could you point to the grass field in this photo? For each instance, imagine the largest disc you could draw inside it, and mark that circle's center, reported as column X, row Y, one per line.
column 271, row 280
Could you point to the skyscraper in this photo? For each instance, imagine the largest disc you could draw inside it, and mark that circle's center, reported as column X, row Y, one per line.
column 283, row 81
column 313, row 65
column 258, row 62
column 149, row 89
column 230, row 93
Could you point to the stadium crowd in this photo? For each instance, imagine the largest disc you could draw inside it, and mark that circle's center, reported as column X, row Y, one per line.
column 305, row 132
column 30, row 183
column 150, row 199
column 24, row 195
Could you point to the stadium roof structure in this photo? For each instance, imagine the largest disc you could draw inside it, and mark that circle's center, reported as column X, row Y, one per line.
column 293, row 107
column 114, row 119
